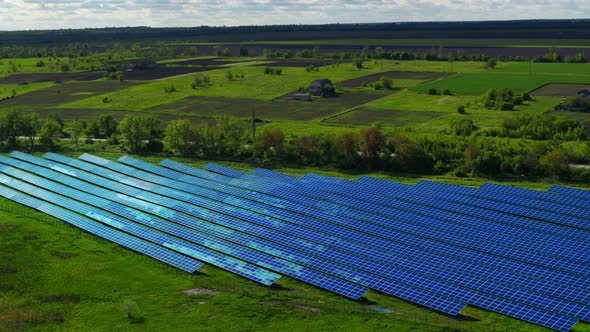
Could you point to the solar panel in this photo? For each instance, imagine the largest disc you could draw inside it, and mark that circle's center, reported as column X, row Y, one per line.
column 127, row 159
column 130, row 242
column 236, row 266
column 514, row 267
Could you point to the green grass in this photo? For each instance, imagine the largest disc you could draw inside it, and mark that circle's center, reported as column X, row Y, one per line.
column 575, row 69
column 29, row 65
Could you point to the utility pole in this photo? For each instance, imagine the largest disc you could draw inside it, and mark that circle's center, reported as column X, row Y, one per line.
column 253, row 125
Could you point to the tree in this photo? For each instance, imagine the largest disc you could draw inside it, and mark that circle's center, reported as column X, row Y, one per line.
column 491, row 64
column 50, row 131
column 11, row 126
column 75, row 127
column 226, row 52
column 103, row 127
column 31, row 126
column 271, row 143
column 371, row 141
column 137, row 129
column 180, row 135
column 358, row 62
column 462, row 126
column 556, row 163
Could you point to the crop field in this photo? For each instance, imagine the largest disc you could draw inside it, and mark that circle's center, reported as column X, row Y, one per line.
column 50, row 77
column 366, row 117
column 59, row 93
column 281, row 109
column 559, row 90
column 478, row 83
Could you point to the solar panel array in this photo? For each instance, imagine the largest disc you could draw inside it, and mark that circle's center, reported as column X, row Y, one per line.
column 518, row 252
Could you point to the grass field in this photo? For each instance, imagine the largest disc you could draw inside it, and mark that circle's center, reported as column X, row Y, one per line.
column 8, row 90
column 29, row 65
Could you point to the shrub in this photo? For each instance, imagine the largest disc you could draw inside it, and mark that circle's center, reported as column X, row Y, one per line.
column 170, row 88
column 447, row 92
column 507, row 107
column 461, row 109
column 526, row 97
column 106, row 100
column 432, row 91
column 518, row 101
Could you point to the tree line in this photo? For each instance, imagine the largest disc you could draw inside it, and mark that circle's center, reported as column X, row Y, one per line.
column 530, row 146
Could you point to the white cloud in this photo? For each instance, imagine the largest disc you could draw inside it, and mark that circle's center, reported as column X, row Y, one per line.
column 41, row 14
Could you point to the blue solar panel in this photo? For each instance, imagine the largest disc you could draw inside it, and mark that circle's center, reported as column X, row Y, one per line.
column 224, row 170
column 236, row 266
column 514, row 267
column 147, row 248
column 573, row 192
column 128, row 161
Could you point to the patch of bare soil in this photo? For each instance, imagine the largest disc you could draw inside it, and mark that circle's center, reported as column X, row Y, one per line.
column 200, row 291
column 312, row 309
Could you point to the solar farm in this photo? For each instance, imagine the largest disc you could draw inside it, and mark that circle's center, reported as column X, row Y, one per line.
column 518, row 252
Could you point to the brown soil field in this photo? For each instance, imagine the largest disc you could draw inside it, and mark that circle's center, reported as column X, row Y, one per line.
column 366, row 117
column 51, row 77
column 64, row 93
column 356, row 82
column 559, row 90
column 280, row 109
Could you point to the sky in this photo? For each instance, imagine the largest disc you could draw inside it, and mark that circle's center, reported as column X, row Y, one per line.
column 57, row 14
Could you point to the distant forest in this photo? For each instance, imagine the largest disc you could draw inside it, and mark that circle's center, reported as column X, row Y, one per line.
column 539, row 29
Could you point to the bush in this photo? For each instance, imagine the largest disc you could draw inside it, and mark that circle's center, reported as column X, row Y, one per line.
column 461, row 109
column 170, row 88
column 526, row 97
column 518, row 101
column 507, row 107
column 432, row 91
column 229, row 75
column 447, row 92
column 155, row 146
column 273, row 71
column 106, row 100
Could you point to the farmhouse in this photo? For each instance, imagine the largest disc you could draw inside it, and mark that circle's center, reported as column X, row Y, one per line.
column 319, row 87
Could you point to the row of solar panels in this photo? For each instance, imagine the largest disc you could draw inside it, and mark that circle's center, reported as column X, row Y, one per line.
column 427, row 244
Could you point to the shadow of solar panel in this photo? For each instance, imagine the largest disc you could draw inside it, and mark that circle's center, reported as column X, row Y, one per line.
column 130, row 242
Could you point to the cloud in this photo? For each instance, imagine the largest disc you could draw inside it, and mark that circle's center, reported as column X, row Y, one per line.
column 51, row 14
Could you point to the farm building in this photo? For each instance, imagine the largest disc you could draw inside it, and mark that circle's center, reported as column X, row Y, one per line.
column 319, row 87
